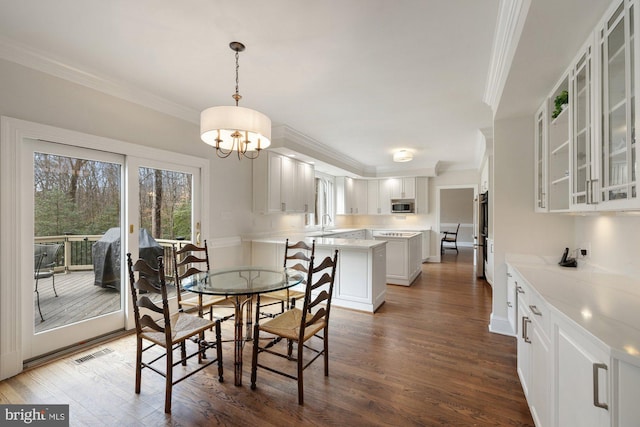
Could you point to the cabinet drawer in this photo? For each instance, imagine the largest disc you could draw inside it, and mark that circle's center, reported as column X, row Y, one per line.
column 540, row 312
column 535, row 304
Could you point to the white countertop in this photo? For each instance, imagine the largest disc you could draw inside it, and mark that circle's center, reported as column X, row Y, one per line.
column 323, row 241
column 606, row 305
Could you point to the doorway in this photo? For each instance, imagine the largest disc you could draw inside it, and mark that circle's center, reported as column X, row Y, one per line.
column 455, row 205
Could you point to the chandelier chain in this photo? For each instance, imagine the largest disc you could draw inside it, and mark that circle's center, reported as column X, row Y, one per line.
column 237, row 95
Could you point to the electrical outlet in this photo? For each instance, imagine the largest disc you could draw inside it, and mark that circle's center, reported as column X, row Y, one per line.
column 585, row 250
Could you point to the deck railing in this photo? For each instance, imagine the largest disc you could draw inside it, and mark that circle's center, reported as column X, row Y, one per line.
column 76, row 255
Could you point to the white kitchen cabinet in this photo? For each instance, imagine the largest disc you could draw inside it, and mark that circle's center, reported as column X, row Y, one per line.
column 282, row 184
column 378, row 197
column 559, row 143
column 402, row 188
column 617, row 176
column 288, row 185
column 627, row 390
column 582, row 378
column 512, row 300
column 351, row 196
column 304, row 188
column 422, row 195
column 426, row 245
column 587, row 372
column 541, row 153
column 591, row 159
column 582, row 135
column 533, row 345
column 404, row 256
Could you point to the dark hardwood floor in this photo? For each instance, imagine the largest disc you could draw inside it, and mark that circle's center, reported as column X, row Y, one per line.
column 426, row 358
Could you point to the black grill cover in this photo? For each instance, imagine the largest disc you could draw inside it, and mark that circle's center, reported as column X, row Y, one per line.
column 106, row 256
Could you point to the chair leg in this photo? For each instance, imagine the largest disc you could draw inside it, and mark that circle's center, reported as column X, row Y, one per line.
column 219, row 351
column 169, row 381
column 138, row 364
column 38, row 301
column 325, row 338
column 300, row 378
column 254, row 356
column 53, row 283
column 289, row 348
column 183, row 353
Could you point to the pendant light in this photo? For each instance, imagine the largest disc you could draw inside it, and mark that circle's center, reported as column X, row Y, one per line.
column 234, row 128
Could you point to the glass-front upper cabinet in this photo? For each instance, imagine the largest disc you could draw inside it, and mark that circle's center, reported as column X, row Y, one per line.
column 541, row 204
column 582, row 175
column 558, row 147
column 617, row 146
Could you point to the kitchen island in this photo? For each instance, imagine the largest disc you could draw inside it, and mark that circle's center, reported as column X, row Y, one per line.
column 404, row 253
column 360, row 281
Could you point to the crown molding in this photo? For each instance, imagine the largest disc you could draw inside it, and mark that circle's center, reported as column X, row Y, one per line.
column 511, row 17
column 46, row 63
column 283, row 136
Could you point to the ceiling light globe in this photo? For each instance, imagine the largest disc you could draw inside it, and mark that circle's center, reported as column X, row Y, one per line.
column 402, row 156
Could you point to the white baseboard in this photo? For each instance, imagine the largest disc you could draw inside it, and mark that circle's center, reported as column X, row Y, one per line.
column 500, row 325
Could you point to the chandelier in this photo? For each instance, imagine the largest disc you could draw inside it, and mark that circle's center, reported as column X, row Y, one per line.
column 233, row 128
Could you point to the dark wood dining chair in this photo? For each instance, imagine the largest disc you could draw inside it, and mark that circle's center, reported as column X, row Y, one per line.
column 299, row 326
column 44, row 263
column 296, row 257
column 188, row 261
column 449, row 238
column 157, row 325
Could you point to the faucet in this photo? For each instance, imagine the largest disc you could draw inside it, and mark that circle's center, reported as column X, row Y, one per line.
column 322, row 222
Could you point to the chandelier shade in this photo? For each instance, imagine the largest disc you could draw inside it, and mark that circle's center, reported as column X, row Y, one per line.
column 234, row 128
column 226, row 126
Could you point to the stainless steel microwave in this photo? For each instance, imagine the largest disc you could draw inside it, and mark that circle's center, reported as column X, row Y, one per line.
column 402, row 206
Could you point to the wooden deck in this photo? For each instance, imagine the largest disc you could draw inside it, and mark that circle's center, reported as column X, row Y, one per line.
column 78, row 299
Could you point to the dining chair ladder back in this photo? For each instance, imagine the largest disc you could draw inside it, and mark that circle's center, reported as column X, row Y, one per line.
column 300, row 326
column 172, row 331
column 187, row 262
column 296, row 257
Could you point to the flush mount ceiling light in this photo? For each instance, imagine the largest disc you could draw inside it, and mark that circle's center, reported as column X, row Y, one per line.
column 402, row 156
column 233, row 128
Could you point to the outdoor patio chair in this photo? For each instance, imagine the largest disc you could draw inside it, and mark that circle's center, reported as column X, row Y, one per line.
column 44, row 263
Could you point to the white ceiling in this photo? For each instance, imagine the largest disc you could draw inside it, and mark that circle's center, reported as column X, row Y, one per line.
column 362, row 77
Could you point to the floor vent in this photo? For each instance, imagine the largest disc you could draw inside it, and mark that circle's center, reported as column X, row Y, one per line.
column 93, row 356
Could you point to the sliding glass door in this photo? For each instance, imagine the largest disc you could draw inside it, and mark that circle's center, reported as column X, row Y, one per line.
column 89, row 208
column 76, row 198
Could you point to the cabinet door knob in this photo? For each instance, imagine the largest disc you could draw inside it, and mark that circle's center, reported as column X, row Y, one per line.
column 519, row 289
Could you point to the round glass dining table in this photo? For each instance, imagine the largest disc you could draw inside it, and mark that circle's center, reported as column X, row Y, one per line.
column 240, row 284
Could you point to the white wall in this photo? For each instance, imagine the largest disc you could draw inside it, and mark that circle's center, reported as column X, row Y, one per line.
column 614, row 240
column 34, row 96
column 516, row 227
